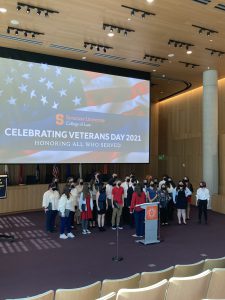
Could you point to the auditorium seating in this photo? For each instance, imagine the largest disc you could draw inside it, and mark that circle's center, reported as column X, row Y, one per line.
column 114, row 285
column 150, row 278
column 211, row 263
column 45, row 296
column 186, row 288
column 156, row 291
column 90, row 292
column 217, row 284
column 110, row 296
column 188, row 270
column 173, row 283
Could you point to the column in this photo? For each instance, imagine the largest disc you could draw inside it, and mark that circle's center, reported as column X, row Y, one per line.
column 210, row 130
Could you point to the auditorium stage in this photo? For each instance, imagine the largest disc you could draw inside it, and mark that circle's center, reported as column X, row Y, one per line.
column 38, row 261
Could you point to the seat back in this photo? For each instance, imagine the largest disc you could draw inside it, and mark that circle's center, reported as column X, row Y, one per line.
column 114, row 285
column 211, row 263
column 45, row 296
column 188, row 270
column 149, row 278
column 186, row 288
column 217, row 284
column 110, row 296
column 90, row 292
column 156, row 291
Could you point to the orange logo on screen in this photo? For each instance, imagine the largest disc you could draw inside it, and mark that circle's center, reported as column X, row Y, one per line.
column 152, row 212
column 59, row 119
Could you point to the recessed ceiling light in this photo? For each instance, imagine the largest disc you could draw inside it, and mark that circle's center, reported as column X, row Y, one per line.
column 163, row 75
column 3, row 10
column 150, row 1
column 129, row 19
column 170, row 55
column 14, row 22
column 208, row 68
column 110, row 34
column 153, row 70
column 210, row 40
column 84, row 57
column 189, row 52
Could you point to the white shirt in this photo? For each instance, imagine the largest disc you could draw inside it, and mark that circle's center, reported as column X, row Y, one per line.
column 125, row 186
column 51, row 197
column 202, row 194
column 65, row 203
column 109, row 188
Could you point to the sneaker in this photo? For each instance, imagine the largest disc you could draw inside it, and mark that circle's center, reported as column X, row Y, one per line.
column 113, row 228
column 84, row 232
column 88, row 231
column 120, row 227
column 70, row 235
column 134, row 235
column 63, row 236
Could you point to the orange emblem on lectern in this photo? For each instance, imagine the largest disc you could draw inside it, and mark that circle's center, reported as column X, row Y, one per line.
column 152, row 212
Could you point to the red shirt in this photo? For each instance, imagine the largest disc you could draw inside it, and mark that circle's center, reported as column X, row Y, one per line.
column 137, row 200
column 117, row 193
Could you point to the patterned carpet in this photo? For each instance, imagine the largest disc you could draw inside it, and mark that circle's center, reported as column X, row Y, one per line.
column 38, row 261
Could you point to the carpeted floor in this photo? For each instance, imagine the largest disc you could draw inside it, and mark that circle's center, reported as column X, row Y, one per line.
column 38, row 261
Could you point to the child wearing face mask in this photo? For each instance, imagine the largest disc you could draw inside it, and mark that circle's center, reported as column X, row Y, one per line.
column 50, row 205
column 76, row 194
column 180, row 198
column 117, row 204
column 202, row 198
column 101, row 203
column 163, row 198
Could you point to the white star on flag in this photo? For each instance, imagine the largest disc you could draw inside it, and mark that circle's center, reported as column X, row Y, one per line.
column 42, row 79
column 33, row 94
column 30, row 65
column 49, row 85
column 12, row 101
column 76, row 101
column 26, row 76
column 58, row 71
column 9, row 80
column 44, row 100
column 44, row 67
column 62, row 92
column 55, row 105
column 22, row 88
column 71, row 79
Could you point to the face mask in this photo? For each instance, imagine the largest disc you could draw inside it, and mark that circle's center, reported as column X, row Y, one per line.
column 134, row 184
column 114, row 184
column 152, row 185
column 103, row 190
column 54, row 189
column 119, row 184
column 128, row 180
column 81, row 183
column 72, row 186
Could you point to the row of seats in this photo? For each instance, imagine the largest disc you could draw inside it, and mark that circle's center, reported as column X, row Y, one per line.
column 205, row 278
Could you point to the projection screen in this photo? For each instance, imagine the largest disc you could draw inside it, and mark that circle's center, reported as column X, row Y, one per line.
column 53, row 114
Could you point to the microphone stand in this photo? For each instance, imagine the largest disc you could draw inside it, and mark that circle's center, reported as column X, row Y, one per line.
column 117, row 258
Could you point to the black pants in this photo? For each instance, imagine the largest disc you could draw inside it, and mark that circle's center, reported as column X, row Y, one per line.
column 202, row 208
column 164, row 215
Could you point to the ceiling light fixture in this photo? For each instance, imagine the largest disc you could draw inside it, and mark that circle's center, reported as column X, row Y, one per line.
column 155, row 58
column 98, row 47
column 213, row 51
column 3, row 10
column 38, row 9
column 26, row 32
column 189, row 52
column 117, row 28
column 134, row 11
column 201, row 30
column 187, row 64
column 180, row 44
